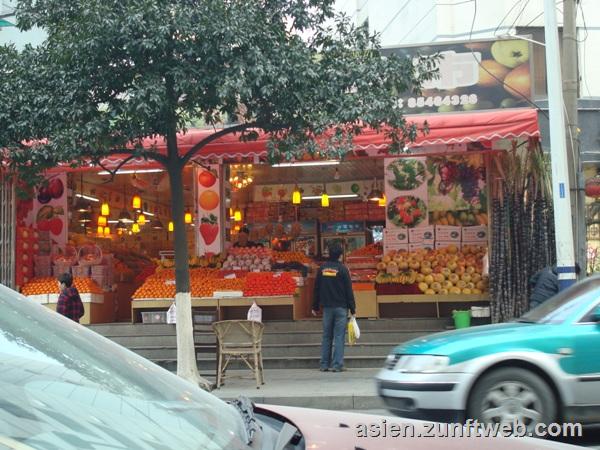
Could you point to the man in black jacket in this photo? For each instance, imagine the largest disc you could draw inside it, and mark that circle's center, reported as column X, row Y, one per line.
column 544, row 285
column 333, row 290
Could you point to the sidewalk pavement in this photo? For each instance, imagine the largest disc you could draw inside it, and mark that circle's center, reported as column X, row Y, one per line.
column 310, row 388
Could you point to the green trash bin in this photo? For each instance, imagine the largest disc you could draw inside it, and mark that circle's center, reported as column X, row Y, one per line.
column 462, row 319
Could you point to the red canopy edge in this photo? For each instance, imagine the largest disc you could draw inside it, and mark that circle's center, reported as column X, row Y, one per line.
column 453, row 128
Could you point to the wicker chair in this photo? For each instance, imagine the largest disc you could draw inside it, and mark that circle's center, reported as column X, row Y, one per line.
column 240, row 339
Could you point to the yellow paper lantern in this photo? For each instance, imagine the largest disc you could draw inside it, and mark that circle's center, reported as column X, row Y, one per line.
column 296, row 196
column 382, row 201
column 105, row 209
column 141, row 220
column 237, row 215
column 324, row 200
column 136, row 202
column 102, row 221
column 106, row 231
column 188, row 217
column 135, row 228
column 171, row 226
column 100, row 230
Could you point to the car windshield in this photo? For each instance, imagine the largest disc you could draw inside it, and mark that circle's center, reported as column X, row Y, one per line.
column 564, row 304
column 65, row 387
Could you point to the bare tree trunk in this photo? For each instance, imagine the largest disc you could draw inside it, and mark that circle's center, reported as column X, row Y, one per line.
column 187, row 367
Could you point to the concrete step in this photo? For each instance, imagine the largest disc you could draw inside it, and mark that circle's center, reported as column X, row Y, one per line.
column 280, row 350
column 293, row 337
column 128, row 329
column 207, row 366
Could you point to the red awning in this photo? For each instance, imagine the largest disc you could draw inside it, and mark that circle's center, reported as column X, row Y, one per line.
column 453, row 128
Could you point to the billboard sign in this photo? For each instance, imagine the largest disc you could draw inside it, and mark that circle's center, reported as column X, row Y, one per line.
column 474, row 75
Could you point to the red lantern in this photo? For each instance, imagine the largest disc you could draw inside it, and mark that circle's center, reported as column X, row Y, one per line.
column 592, row 187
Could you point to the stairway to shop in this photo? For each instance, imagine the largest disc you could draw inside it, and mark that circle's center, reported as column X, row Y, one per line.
column 286, row 344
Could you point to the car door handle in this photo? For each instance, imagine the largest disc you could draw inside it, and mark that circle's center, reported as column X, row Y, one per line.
column 565, row 351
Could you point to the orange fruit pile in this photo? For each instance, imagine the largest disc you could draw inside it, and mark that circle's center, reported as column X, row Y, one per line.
column 40, row 286
column 291, row 257
column 86, row 286
column 49, row 285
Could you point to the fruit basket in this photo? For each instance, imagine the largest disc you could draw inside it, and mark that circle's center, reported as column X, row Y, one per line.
column 90, row 255
column 66, row 258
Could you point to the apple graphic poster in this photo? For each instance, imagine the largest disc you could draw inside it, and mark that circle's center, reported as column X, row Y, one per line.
column 209, row 207
column 50, row 213
column 473, row 75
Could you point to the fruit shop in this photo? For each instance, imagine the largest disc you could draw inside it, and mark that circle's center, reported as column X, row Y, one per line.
column 415, row 228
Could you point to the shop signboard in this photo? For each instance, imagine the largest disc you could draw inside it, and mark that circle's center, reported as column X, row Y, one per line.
column 474, row 75
column 342, row 227
column 209, row 220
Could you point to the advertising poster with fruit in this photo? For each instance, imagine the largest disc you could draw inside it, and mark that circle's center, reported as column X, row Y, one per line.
column 475, row 75
column 50, row 211
column 457, row 189
column 209, row 218
column 406, row 192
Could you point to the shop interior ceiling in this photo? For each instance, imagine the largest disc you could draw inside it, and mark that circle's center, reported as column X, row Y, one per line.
column 363, row 169
column 150, row 186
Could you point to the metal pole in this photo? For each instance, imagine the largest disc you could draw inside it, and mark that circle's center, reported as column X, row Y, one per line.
column 560, row 175
column 570, row 72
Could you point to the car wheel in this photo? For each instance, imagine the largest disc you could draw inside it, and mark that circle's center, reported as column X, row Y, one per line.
column 510, row 395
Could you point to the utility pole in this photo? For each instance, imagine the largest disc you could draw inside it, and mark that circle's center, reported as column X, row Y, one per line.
column 570, row 73
column 561, row 197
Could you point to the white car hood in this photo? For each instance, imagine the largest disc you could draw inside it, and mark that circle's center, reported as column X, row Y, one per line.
column 333, row 430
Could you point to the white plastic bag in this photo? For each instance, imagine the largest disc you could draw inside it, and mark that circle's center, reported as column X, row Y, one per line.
column 255, row 313
column 353, row 331
column 172, row 314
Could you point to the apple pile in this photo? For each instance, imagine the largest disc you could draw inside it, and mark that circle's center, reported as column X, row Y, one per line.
column 442, row 271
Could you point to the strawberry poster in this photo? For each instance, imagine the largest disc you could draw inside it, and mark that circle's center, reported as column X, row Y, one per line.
column 209, row 206
column 50, row 211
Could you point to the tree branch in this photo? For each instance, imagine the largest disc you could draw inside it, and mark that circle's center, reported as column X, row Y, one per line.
column 207, row 140
column 113, row 172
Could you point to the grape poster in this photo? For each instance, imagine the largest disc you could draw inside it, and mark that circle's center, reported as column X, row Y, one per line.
column 456, row 183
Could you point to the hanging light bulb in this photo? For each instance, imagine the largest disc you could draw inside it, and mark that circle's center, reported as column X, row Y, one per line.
column 105, row 209
column 382, row 201
column 187, row 218
column 237, row 215
column 324, row 198
column 102, row 221
column 171, row 226
column 141, row 220
column 296, row 196
column 135, row 228
column 136, row 202
column 106, row 231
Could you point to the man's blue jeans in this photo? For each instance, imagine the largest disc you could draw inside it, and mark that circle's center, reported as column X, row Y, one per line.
column 335, row 321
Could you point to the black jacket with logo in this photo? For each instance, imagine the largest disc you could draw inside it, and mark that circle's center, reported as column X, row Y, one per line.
column 333, row 287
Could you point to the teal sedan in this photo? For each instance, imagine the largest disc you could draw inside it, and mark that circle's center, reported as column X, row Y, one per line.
column 539, row 369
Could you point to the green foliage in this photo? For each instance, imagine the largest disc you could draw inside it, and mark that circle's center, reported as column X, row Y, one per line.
column 113, row 72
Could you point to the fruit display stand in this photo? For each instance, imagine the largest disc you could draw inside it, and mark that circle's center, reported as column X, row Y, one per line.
column 436, row 302
column 362, row 264
column 162, row 304
column 431, row 282
column 98, row 305
column 231, row 291
column 284, row 307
